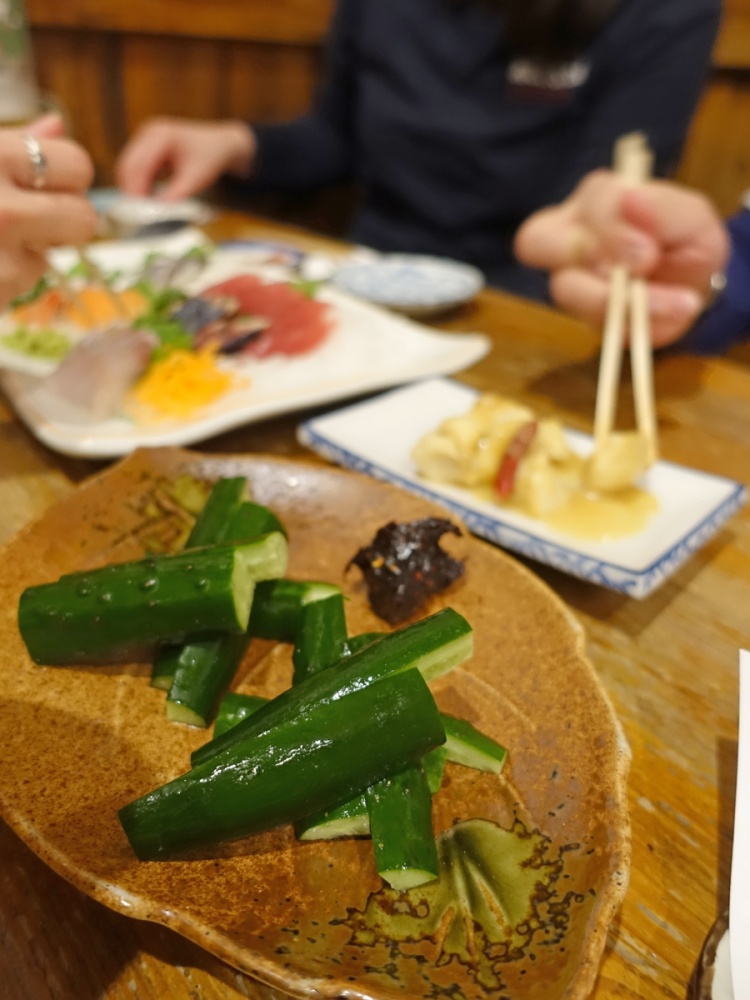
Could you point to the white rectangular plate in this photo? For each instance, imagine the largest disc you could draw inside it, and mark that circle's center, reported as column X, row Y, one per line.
column 377, row 436
column 369, row 349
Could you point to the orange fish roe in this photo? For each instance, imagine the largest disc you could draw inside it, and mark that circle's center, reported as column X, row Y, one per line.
column 182, row 383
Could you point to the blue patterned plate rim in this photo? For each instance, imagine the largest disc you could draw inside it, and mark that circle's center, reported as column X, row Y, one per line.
column 411, row 281
column 636, row 582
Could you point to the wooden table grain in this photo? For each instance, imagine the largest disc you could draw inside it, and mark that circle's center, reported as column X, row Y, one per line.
column 669, row 663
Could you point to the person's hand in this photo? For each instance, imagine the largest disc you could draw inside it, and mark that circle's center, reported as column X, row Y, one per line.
column 42, row 210
column 666, row 233
column 192, row 155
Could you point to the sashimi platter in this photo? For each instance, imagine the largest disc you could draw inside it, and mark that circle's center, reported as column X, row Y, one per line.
column 174, row 340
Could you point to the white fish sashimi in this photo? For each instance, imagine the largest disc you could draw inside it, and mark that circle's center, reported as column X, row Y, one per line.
column 91, row 383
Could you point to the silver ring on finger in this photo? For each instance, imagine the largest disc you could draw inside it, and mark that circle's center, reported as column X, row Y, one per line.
column 37, row 160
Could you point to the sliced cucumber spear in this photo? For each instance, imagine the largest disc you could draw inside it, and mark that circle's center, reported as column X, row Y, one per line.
column 400, row 809
column 202, row 670
column 210, row 525
column 278, row 606
column 349, row 819
column 321, row 641
column 465, row 744
column 120, row 611
column 433, row 645
column 222, row 502
column 251, row 519
column 352, row 819
column 356, row 642
column 308, row 761
column 323, row 635
column 235, row 707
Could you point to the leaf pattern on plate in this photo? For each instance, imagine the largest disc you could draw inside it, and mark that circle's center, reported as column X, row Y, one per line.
column 495, row 898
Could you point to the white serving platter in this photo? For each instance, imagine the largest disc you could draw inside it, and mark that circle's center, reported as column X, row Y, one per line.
column 377, row 436
column 369, row 349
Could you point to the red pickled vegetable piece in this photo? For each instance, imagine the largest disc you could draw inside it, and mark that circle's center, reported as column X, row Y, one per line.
column 515, row 452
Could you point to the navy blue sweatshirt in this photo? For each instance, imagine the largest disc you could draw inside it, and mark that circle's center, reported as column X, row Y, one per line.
column 727, row 322
column 421, row 103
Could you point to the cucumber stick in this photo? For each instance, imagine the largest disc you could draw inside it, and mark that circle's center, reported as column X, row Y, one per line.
column 223, row 501
column 321, row 640
column 466, row 745
column 308, row 761
column 349, row 819
column 278, row 605
column 201, row 671
column 486, row 755
column 433, row 645
column 252, row 519
column 356, row 642
column 400, row 808
column 121, row 610
column 352, row 819
column 234, row 708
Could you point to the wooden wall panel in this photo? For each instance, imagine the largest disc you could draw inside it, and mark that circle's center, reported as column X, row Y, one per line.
column 271, row 82
column 733, row 47
column 203, row 78
column 717, row 156
column 108, row 83
column 716, row 159
column 160, row 76
column 301, row 21
column 83, row 76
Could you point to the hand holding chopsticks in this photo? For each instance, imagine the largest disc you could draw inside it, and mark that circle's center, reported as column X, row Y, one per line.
column 628, row 301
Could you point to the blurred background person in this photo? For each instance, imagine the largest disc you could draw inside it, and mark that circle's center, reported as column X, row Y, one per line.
column 44, row 178
column 459, row 118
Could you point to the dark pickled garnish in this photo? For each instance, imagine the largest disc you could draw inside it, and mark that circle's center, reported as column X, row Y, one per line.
column 404, row 565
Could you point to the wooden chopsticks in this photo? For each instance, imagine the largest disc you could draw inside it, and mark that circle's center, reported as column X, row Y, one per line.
column 628, row 299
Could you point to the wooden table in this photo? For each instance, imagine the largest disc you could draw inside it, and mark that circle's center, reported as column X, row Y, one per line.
column 668, row 662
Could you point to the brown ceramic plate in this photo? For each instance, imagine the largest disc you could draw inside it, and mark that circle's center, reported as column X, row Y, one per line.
column 313, row 919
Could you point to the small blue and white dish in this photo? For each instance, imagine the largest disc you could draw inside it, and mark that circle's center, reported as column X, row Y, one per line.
column 412, row 284
column 376, row 437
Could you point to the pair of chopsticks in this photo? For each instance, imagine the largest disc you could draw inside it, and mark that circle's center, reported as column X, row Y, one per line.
column 628, row 307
